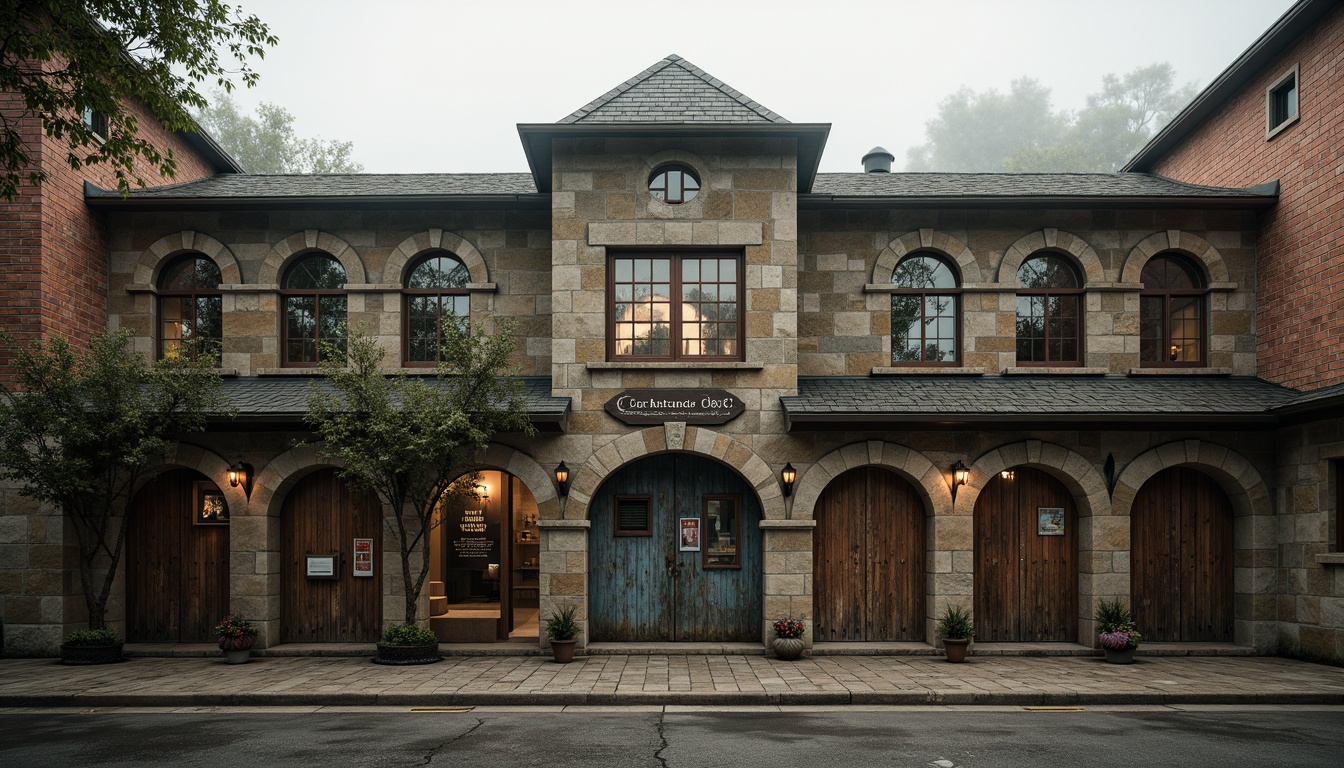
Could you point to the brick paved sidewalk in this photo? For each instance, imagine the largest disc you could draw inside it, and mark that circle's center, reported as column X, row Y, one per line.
column 704, row 679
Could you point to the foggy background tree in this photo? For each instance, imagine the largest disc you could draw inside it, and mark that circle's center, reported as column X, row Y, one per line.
column 1020, row 132
column 66, row 58
column 267, row 142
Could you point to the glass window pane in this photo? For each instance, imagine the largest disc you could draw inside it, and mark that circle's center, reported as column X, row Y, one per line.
column 625, row 270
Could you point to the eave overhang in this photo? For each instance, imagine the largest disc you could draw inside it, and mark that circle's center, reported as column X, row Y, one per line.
column 537, row 140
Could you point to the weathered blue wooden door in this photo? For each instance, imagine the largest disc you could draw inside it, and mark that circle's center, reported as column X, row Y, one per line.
column 643, row 586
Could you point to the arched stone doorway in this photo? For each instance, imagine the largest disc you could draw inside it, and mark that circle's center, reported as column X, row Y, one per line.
column 1026, row 559
column 675, row 553
column 1181, row 584
column 321, row 600
column 177, row 560
column 868, row 568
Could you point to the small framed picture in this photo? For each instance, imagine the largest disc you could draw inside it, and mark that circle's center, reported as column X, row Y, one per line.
column 690, row 534
column 1050, row 521
column 209, row 507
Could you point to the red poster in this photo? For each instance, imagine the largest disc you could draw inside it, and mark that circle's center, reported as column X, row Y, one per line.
column 363, row 557
column 690, row 534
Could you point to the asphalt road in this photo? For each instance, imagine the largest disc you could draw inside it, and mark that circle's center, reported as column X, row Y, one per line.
column 1002, row 737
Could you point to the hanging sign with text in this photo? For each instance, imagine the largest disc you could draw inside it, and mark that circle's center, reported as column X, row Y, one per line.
column 659, row 406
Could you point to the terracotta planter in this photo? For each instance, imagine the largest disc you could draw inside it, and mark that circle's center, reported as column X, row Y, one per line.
column 90, row 654
column 789, row 648
column 956, row 649
column 1123, row 656
column 406, row 655
column 563, row 650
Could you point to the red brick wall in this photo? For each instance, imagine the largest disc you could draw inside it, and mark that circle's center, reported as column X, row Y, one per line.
column 53, row 248
column 1300, row 263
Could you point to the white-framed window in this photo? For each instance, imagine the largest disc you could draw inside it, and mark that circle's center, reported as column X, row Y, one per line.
column 1281, row 103
column 95, row 121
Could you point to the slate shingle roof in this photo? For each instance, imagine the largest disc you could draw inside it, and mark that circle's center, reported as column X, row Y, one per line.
column 1009, row 185
column 673, row 91
column 286, row 396
column 1001, row 397
column 230, row 186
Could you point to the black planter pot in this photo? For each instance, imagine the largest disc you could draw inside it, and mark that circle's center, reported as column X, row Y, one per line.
column 405, row 655
column 91, row 654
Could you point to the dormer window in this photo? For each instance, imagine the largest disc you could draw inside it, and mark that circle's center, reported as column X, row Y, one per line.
column 674, row 184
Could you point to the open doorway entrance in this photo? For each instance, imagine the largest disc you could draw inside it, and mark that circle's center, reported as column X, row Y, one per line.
column 485, row 565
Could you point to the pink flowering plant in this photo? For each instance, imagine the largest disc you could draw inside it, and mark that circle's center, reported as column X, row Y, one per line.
column 1115, row 626
column 788, row 627
column 235, row 633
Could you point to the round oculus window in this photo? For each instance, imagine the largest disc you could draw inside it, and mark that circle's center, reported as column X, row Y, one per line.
column 674, row 184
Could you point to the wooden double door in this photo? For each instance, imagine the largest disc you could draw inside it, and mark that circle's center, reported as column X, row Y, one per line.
column 1181, row 558
column 322, row 516
column 644, row 582
column 868, row 568
column 177, row 572
column 1026, row 559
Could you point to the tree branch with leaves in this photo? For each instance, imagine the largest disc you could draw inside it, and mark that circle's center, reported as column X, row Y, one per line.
column 413, row 441
column 63, row 57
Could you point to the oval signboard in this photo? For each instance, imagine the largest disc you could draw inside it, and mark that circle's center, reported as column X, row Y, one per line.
column 659, row 406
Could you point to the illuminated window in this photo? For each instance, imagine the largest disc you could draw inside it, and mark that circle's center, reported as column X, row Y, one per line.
column 674, row 307
column 191, row 312
column 1171, row 312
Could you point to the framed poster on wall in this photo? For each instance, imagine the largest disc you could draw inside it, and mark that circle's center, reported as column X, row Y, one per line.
column 690, row 534
column 209, row 507
column 1050, row 521
column 320, row 566
column 363, row 562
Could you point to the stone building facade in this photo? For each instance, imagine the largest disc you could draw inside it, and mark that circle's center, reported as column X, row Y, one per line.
column 1054, row 426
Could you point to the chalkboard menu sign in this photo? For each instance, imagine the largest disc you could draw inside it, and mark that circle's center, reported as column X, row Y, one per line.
column 473, row 536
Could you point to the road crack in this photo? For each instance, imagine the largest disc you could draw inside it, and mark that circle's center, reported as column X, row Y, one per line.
column 662, row 738
column 431, row 754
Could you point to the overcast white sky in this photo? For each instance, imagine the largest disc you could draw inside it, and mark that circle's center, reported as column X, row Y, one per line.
column 439, row 85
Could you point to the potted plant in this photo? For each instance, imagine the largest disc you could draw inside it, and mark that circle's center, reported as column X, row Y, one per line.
column 91, row 646
column 1116, row 633
column 407, row 644
column 788, row 642
column 563, row 630
column 956, row 629
column 236, row 637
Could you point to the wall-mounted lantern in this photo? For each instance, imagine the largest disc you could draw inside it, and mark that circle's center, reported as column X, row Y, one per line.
column 240, row 474
column 483, row 492
column 562, row 479
column 1007, row 474
column 789, row 476
column 960, row 474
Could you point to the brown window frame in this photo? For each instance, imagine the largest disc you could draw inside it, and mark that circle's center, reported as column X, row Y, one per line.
column 1047, row 293
column 316, row 293
column 685, row 171
column 737, row 532
column 408, row 293
column 674, row 306
column 617, row 530
column 193, row 295
column 1166, row 295
column 922, row 293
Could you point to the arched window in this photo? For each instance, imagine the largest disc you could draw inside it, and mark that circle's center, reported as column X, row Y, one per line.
column 1171, row 312
column 1049, row 312
column 436, row 289
column 925, row 311
column 191, row 313
column 315, row 308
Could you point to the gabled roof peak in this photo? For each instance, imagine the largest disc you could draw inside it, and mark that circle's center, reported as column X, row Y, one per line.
column 673, row 90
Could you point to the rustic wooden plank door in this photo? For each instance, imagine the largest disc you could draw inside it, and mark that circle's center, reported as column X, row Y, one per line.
column 868, row 569
column 642, row 588
column 1181, row 558
column 177, row 573
column 322, row 515
column 1026, row 584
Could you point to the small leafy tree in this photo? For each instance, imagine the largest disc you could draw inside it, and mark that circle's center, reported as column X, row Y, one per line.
column 409, row 440
column 81, row 428
column 267, row 143
column 63, row 57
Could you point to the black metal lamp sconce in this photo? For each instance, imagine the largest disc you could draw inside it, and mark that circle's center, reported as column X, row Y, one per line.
column 960, row 474
column 788, row 476
column 240, row 474
column 562, row 479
